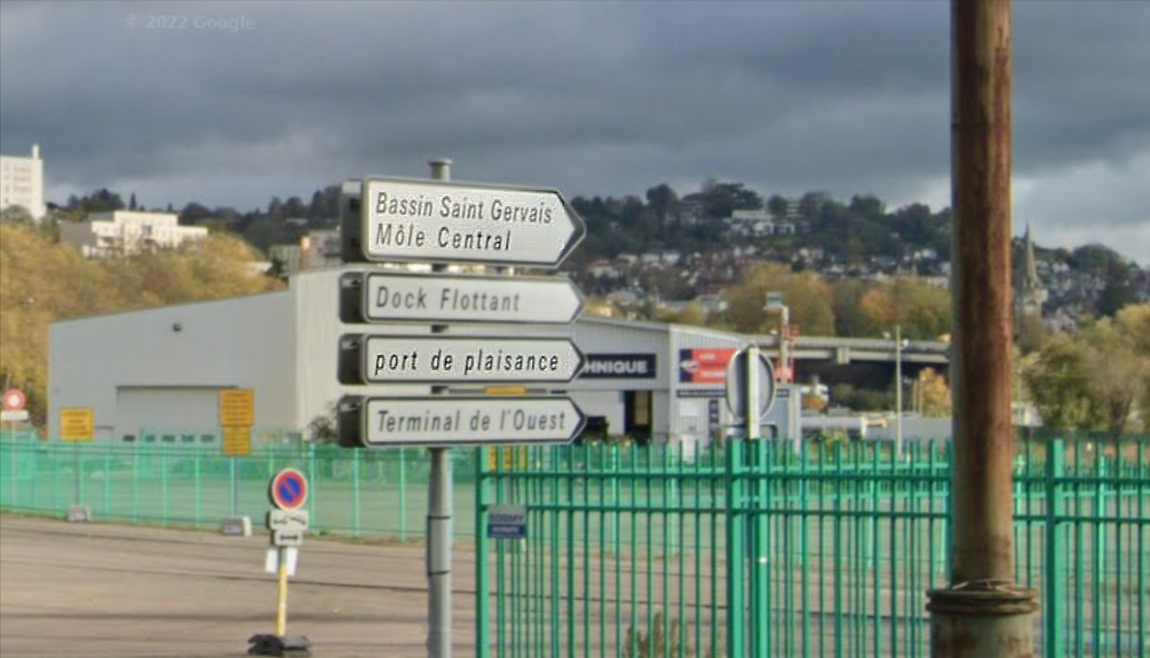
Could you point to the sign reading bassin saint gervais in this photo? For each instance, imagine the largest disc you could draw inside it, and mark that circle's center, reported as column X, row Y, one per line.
column 422, row 221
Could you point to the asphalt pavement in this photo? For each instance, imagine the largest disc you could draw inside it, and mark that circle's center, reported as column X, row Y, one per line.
column 103, row 590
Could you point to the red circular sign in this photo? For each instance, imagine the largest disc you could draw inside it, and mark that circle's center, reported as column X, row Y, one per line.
column 288, row 490
column 13, row 400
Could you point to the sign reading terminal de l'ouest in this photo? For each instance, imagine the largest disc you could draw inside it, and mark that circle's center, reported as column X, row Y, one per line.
column 467, row 420
column 441, row 222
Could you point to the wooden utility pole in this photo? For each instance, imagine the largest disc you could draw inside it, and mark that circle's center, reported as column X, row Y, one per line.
column 983, row 613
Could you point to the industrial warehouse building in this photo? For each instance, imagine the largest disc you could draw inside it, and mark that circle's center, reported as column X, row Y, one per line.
column 157, row 375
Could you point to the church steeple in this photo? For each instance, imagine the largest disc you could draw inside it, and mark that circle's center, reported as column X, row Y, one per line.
column 1029, row 293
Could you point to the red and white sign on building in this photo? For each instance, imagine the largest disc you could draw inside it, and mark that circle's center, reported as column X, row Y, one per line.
column 14, row 400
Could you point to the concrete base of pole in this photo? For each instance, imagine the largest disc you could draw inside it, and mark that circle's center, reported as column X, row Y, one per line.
column 236, row 525
column 274, row 645
column 983, row 619
column 79, row 514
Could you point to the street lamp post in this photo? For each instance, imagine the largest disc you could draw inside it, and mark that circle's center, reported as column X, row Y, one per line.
column 898, row 390
column 899, row 343
column 774, row 304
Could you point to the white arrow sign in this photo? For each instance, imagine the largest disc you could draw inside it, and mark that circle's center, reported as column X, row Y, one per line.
column 442, row 359
column 388, row 297
column 433, row 221
column 288, row 521
column 469, row 420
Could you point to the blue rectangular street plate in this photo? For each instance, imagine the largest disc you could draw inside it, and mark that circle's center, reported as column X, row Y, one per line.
column 507, row 522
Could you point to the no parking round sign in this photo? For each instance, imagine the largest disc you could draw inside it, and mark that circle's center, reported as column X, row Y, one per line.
column 288, row 490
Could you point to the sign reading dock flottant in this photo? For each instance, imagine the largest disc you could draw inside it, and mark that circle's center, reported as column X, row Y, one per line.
column 472, row 420
column 421, row 221
column 406, row 296
column 415, row 359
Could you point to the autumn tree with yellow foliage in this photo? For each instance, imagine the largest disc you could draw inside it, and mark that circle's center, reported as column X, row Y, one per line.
column 43, row 281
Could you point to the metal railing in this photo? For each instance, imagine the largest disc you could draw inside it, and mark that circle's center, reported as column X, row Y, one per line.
column 634, row 551
column 758, row 550
column 359, row 493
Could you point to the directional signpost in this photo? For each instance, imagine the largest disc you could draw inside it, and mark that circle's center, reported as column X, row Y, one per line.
column 439, row 222
column 457, row 359
column 287, row 491
column 408, row 297
column 444, row 223
column 469, row 420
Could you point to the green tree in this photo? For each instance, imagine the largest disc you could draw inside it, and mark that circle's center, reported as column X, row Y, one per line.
column 806, row 296
column 42, row 281
column 846, row 303
column 1060, row 385
column 777, row 205
column 692, row 314
column 933, row 394
column 663, row 202
column 923, row 312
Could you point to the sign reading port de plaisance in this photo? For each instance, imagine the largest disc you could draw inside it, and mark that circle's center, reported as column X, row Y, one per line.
column 456, row 359
column 467, row 420
column 413, row 297
column 441, row 222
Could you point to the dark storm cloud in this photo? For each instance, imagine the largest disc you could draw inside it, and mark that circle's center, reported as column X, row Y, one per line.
column 604, row 98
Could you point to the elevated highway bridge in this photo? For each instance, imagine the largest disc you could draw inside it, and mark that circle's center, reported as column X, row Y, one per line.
column 868, row 362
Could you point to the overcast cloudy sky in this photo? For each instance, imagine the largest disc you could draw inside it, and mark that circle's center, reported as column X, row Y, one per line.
column 232, row 103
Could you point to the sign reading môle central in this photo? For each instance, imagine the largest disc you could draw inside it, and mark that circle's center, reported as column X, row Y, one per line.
column 417, row 221
column 421, row 221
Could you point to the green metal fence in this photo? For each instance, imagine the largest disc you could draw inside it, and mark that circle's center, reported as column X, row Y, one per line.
column 759, row 550
column 641, row 553
column 359, row 493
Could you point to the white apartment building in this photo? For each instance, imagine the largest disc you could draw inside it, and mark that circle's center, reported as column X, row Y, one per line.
column 127, row 232
column 291, row 255
column 316, row 251
column 22, row 183
column 321, row 250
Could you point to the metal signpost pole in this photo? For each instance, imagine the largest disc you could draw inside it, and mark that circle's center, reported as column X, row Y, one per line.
column 419, row 222
column 281, row 610
column 287, row 523
column 439, row 510
column 984, row 612
column 752, row 395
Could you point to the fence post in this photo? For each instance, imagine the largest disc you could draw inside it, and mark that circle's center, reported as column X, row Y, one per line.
column 482, row 567
column 313, row 473
column 613, row 502
column 198, row 488
column 736, row 549
column 402, row 495
column 674, row 519
column 136, row 481
column 11, row 447
column 235, row 485
column 36, row 478
column 355, row 492
column 759, row 526
column 55, row 478
column 107, row 513
column 1055, row 585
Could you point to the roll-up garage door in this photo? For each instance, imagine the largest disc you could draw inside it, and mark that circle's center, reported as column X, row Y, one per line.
column 168, row 414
